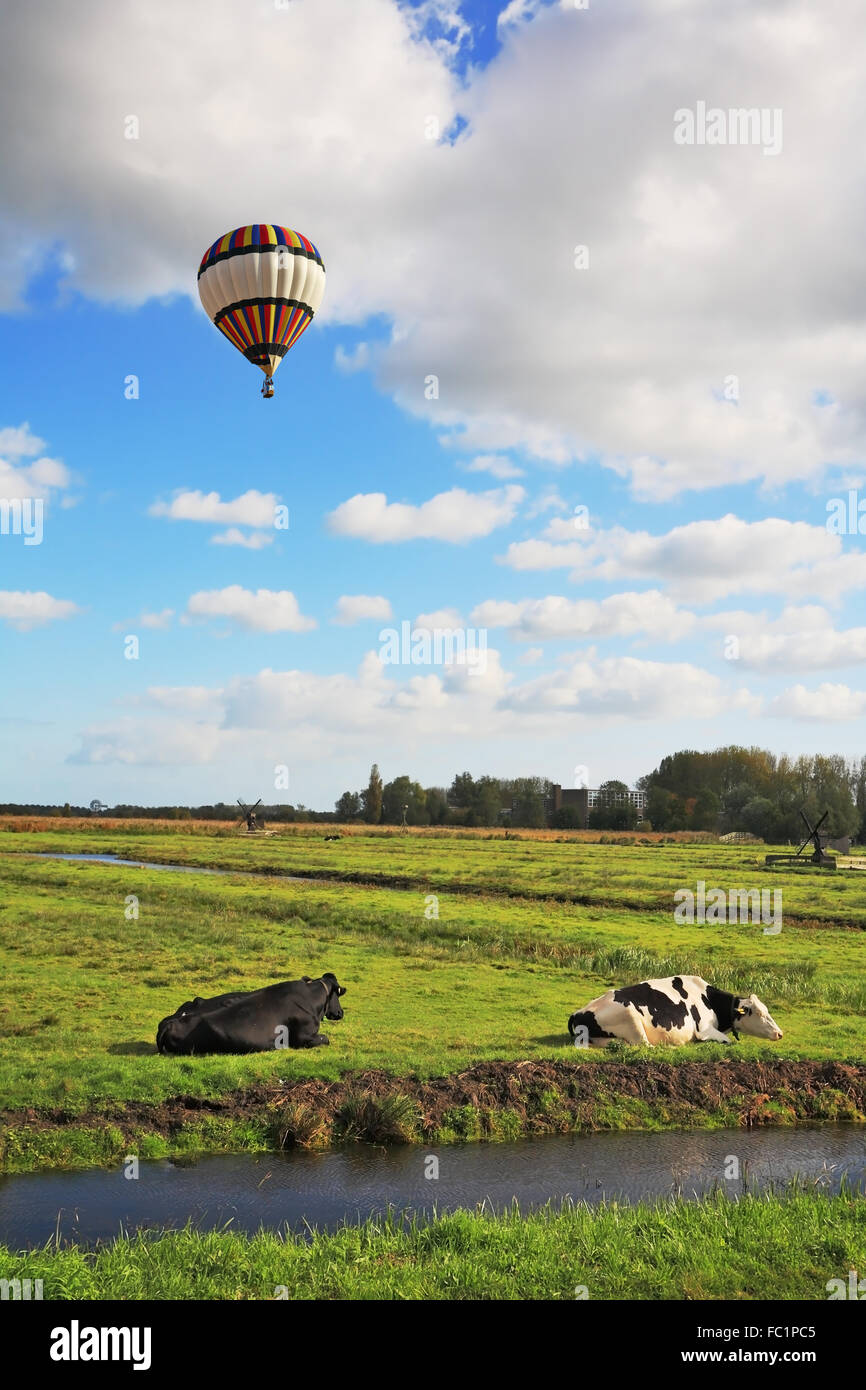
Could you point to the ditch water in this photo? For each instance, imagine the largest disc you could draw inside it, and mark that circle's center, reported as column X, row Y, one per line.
column 168, row 868
column 127, row 863
column 299, row 1190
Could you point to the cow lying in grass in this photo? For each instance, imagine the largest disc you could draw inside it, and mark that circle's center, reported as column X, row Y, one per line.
column 678, row 1010
column 284, row 1015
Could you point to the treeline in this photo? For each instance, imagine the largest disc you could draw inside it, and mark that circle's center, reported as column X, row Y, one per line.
column 728, row 789
column 752, row 789
column 219, row 811
column 490, row 801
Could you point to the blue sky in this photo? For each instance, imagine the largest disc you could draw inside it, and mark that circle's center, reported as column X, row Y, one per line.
column 697, row 388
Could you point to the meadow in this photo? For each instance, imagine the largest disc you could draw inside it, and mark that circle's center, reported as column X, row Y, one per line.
column 440, row 974
column 462, row 955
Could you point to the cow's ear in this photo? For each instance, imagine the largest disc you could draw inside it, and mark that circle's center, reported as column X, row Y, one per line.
column 340, row 990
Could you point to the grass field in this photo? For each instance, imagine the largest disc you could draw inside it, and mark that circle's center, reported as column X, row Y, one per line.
column 493, row 976
column 458, row 952
column 715, row 1249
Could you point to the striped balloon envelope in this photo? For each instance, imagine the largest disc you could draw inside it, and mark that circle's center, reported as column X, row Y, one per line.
column 261, row 286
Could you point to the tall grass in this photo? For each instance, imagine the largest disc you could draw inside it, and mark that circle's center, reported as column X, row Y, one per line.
column 711, row 1249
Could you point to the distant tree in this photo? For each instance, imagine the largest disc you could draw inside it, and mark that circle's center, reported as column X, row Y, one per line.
column 658, row 807
column 705, row 812
column 760, row 817
column 404, row 792
column 528, row 802
column 437, row 805
column 858, row 779
column 349, row 806
column 461, row 791
column 734, row 799
column 371, row 797
column 613, row 810
column 567, row 818
column 487, row 802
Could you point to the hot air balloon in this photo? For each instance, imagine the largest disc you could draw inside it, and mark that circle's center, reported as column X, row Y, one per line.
column 261, row 286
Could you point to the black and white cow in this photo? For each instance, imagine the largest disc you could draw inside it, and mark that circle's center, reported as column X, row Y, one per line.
column 678, row 1010
column 284, row 1015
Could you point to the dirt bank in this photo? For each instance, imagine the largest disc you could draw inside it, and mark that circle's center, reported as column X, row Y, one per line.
column 494, row 1100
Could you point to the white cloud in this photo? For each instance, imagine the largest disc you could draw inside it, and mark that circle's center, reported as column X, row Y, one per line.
column 800, row 639
column 19, row 479
column 314, row 715
column 623, row 687
column 442, row 618
column 441, row 22
column 17, row 441
column 450, row 516
column 620, row 615
column 252, row 540
column 149, row 743
column 614, row 362
column 518, row 12
column 355, row 361
column 547, row 501
column 25, row 610
column 497, row 465
column 250, row 509
column 827, row 703
column 262, row 611
column 703, row 560
column 157, row 620
column 354, row 608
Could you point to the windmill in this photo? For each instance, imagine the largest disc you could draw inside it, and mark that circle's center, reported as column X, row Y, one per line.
column 248, row 814
column 819, row 858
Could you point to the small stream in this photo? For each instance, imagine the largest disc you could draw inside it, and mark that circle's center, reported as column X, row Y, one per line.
column 116, row 860
column 127, row 863
column 300, row 1190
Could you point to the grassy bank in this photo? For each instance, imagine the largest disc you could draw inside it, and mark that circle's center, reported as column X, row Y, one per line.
column 491, row 1101
column 714, row 1249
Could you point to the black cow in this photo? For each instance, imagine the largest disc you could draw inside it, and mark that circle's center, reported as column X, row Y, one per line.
column 278, row 1016
column 207, row 1006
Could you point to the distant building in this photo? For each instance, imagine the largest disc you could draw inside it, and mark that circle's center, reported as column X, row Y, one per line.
column 842, row 845
column 585, row 799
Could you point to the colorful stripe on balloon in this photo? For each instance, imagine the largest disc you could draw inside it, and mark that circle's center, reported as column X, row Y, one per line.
column 262, row 237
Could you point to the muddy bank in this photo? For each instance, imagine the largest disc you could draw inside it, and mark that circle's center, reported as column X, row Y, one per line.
column 493, row 1100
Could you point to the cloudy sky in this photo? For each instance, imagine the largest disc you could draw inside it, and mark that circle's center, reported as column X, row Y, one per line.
column 580, row 381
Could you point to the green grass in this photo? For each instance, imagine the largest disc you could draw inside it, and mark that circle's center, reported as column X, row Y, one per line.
column 714, row 1249
column 493, row 976
column 635, row 877
column 526, row 931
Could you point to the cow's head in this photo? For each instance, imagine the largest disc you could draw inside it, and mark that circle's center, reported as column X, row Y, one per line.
column 189, row 1007
column 169, row 1030
column 333, row 1010
column 753, row 1017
